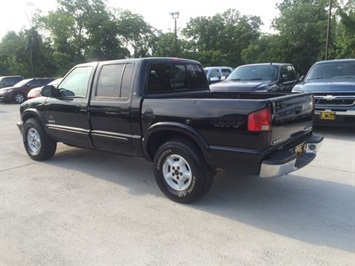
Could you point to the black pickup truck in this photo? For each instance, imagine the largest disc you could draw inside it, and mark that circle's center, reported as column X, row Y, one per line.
column 163, row 110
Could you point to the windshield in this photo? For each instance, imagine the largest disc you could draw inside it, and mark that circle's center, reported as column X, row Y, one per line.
column 22, row 83
column 332, row 70
column 254, row 72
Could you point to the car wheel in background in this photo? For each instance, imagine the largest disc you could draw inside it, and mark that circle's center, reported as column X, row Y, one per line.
column 19, row 98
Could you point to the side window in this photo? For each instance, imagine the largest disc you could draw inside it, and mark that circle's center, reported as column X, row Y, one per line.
column 284, row 74
column 44, row 81
column 114, row 81
column 165, row 77
column 197, row 77
column 35, row 83
column 109, row 82
column 159, row 77
column 215, row 73
column 226, row 72
column 127, row 81
column 291, row 73
column 76, row 82
column 179, row 78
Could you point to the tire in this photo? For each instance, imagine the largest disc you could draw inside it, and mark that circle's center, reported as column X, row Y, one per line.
column 39, row 146
column 181, row 172
column 19, row 98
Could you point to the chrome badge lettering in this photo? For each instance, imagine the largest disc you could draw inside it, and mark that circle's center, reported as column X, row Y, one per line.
column 51, row 119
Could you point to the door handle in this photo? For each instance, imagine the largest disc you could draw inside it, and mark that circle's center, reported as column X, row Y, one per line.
column 148, row 115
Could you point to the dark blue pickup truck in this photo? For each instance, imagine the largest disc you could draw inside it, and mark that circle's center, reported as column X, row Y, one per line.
column 262, row 77
column 333, row 84
column 163, row 110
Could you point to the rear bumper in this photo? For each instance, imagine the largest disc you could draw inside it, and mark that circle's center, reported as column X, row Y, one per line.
column 285, row 162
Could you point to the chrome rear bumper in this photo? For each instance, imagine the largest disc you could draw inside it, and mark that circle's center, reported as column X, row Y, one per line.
column 288, row 161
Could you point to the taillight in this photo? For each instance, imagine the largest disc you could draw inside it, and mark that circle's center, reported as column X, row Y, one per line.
column 260, row 120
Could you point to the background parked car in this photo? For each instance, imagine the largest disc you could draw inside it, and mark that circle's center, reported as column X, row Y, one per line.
column 8, row 81
column 18, row 93
column 217, row 73
column 264, row 77
column 332, row 83
column 36, row 92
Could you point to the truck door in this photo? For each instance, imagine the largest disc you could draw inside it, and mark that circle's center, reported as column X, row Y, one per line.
column 66, row 115
column 288, row 77
column 110, row 113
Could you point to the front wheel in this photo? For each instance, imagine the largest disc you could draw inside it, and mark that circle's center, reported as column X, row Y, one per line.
column 39, row 146
column 181, row 172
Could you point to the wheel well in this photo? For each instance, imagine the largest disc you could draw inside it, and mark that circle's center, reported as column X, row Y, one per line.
column 161, row 137
column 28, row 116
column 34, row 116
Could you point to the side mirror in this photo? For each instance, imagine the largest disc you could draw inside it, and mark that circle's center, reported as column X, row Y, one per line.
column 223, row 78
column 214, row 80
column 48, row 91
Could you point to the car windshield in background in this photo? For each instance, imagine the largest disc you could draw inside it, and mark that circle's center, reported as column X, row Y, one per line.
column 267, row 72
column 332, row 70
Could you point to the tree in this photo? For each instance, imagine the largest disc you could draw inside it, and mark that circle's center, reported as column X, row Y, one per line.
column 11, row 55
column 25, row 54
column 302, row 28
column 266, row 49
column 137, row 35
column 164, row 44
column 220, row 39
column 345, row 38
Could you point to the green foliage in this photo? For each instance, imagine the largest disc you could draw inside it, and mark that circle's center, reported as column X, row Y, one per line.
column 87, row 30
column 220, row 39
column 266, row 49
column 164, row 44
column 136, row 33
column 302, row 29
column 345, row 39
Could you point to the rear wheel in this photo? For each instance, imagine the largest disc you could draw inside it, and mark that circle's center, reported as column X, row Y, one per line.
column 19, row 98
column 181, row 172
column 39, row 146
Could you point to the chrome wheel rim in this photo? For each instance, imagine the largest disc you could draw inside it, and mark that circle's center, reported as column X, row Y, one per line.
column 33, row 141
column 177, row 172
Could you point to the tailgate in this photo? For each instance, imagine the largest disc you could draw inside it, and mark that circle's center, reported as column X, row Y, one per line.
column 292, row 117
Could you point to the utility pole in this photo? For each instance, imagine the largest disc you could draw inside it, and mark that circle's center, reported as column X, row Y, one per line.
column 175, row 16
column 328, row 30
